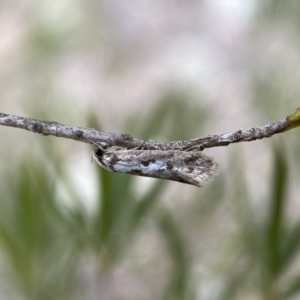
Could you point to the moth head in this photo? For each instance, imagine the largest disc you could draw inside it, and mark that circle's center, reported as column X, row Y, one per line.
column 96, row 154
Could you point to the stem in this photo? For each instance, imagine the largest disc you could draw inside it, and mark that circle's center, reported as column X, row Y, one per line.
column 89, row 135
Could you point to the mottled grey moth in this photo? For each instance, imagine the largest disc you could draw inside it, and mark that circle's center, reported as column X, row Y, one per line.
column 188, row 167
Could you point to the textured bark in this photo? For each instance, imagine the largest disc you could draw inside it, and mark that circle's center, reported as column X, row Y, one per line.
column 105, row 139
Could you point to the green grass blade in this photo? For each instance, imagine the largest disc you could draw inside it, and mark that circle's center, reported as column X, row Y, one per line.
column 179, row 278
column 275, row 218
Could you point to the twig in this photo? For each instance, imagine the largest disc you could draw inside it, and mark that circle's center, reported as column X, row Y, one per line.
column 88, row 135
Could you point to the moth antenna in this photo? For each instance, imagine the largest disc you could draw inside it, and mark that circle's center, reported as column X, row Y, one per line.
column 100, row 147
column 140, row 146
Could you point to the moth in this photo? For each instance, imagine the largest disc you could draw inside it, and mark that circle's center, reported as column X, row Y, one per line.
column 193, row 168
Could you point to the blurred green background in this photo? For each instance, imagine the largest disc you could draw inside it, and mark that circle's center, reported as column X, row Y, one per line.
column 166, row 71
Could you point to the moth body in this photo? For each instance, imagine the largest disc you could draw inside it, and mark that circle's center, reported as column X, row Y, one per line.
column 188, row 167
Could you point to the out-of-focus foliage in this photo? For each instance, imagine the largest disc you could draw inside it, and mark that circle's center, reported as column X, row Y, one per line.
column 36, row 239
column 44, row 242
column 149, row 239
column 265, row 248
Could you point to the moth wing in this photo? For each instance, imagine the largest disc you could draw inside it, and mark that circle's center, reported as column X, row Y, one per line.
column 188, row 167
column 195, row 169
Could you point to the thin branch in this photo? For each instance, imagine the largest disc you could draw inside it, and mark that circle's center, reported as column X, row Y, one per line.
column 88, row 135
